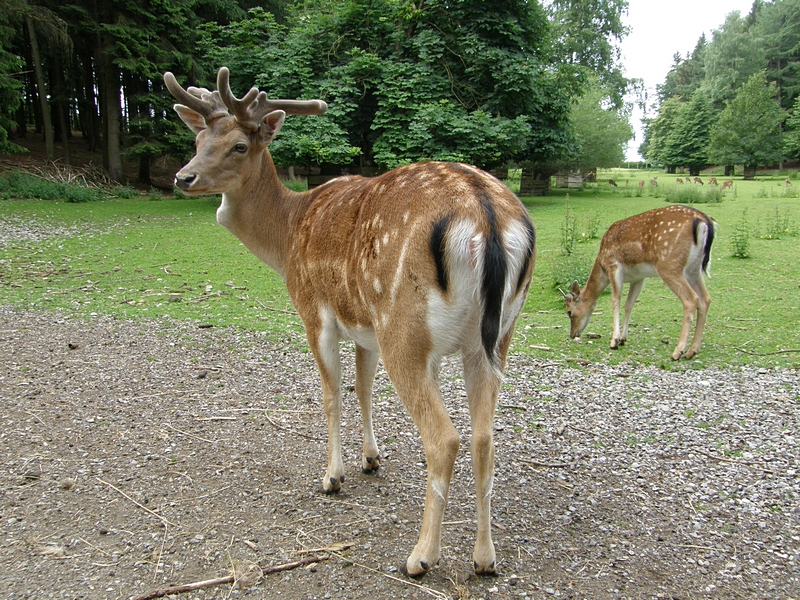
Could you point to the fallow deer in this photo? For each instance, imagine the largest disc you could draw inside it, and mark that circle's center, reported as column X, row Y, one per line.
column 698, row 180
column 654, row 181
column 712, row 181
column 416, row 264
column 673, row 243
column 641, row 185
column 727, row 184
column 679, row 181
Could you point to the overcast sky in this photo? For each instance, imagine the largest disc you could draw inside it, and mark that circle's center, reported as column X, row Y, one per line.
column 658, row 31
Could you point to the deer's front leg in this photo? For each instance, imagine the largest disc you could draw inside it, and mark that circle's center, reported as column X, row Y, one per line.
column 633, row 294
column 366, row 364
column 325, row 347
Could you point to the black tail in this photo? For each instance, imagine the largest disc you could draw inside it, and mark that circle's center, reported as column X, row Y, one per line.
column 495, row 268
column 709, row 238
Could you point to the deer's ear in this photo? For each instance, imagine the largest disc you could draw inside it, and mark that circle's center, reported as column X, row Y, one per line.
column 271, row 125
column 575, row 289
column 192, row 118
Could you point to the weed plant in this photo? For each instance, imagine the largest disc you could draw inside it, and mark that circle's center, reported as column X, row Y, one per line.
column 693, row 194
column 740, row 238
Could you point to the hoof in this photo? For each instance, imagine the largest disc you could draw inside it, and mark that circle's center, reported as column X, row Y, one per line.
column 372, row 465
column 422, row 564
column 489, row 572
column 336, row 485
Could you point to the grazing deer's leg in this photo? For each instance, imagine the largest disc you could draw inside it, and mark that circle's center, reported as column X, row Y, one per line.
column 366, row 364
column 703, row 302
column 616, row 297
column 689, row 299
column 633, row 293
column 415, row 381
column 325, row 347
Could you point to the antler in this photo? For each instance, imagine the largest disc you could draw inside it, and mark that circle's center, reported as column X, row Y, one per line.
column 208, row 104
column 250, row 109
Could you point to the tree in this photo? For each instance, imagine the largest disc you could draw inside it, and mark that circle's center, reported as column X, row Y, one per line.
column 586, row 34
column 601, row 131
column 777, row 29
column 9, row 85
column 685, row 76
column 730, row 59
column 748, row 131
column 688, row 141
column 660, row 149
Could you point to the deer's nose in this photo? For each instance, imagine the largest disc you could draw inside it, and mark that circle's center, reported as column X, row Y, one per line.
column 184, row 182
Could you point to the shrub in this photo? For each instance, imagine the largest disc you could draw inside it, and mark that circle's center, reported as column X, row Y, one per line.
column 569, row 232
column 24, row 185
column 693, row 194
column 574, row 267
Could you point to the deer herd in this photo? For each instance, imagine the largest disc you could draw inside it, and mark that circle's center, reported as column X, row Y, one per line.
column 421, row 262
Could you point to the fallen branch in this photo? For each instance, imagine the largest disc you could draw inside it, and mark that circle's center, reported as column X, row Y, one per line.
column 162, row 518
column 303, row 435
column 752, row 353
column 732, row 460
column 190, row 587
column 536, row 463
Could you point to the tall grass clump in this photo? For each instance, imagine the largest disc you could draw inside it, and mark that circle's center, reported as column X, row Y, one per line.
column 740, row 238
column 16, row 184
column 571, row 265
column 779, row 225
column 691, row 194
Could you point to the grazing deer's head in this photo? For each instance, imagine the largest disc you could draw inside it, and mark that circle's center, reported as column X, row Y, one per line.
column 578, row 311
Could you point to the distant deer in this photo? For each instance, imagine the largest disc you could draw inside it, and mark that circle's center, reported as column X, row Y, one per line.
column 414, row 265
column 679, row 180
column 712, row 181
column 698, row 180
column 673, row 243
column 654, row 181
column 788, row 182
column 613, row 183
column 641, row 185
column 727, row 184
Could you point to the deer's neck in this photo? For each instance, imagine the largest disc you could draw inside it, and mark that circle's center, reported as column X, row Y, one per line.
column 595, row 285
column 262, row 212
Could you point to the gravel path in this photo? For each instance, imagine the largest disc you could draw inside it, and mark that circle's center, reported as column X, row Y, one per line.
column 142, row 454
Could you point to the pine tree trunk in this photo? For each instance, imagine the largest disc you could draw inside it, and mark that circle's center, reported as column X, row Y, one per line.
column 62, row 105
column 47, row 125
column 112, row 121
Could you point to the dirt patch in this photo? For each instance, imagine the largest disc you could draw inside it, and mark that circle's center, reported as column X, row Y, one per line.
column 142, row 454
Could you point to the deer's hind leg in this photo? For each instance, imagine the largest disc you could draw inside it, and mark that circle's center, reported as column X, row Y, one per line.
column 703, row 302
column 676, row 281
column 414, row 375
column 633, row 293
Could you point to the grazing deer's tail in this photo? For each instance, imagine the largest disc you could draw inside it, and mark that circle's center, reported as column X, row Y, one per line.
column 711, row 229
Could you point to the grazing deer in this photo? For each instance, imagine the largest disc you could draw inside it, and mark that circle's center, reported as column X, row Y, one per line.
column 613, row 183
column 654, row 181
column 698, row 180
column 673, row 243
column 727, row 184
column 679, row 180
column 712, row 181
column 414, row 265
column 788, row 182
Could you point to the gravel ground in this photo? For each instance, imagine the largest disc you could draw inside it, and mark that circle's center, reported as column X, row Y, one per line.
column 146, row 454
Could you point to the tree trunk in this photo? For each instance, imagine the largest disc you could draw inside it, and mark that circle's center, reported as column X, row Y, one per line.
column 112, row 160
column 729, row 170
column 61, row 104
column 750, row 172
column 47, row 125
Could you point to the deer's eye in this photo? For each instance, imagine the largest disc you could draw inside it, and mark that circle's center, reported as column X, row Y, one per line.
column 569, row 313
column 240, row 148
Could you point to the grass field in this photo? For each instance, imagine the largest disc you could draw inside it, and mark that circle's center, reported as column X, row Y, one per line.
column 145, row 258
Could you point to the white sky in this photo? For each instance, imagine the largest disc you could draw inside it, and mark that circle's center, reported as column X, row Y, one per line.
column 659, row 29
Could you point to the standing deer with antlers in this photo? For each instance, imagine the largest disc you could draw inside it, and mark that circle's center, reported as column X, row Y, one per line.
column 673, row 243
column 414, row 265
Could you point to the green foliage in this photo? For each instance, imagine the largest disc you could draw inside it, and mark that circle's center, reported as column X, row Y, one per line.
column 566, row 269
column 601, row 131
column 740, row 238
column 748, row 131
column 10, row 86
column 779, row 225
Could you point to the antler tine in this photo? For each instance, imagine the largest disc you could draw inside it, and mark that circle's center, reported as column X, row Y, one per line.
column 254, row 105
column 198, row 99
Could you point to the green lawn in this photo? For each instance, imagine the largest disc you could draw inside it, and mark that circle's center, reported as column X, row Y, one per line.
column 140, row 258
